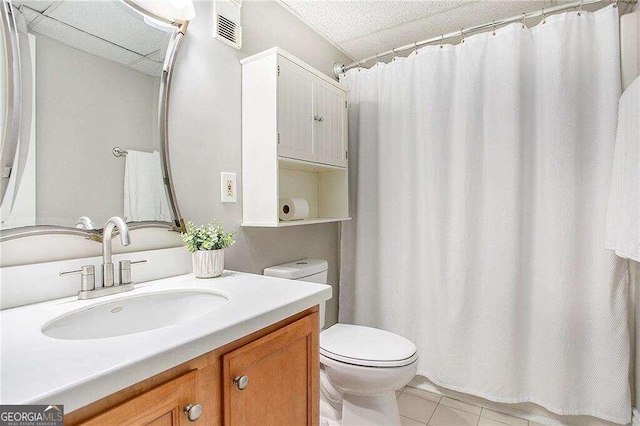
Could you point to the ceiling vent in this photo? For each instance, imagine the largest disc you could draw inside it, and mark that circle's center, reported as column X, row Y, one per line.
column 227, row 28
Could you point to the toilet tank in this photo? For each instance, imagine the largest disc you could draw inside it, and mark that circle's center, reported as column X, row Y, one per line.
column 310, row 270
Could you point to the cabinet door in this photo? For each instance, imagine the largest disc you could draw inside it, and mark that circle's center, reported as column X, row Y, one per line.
column 161, row 406
column 283, row 378
column 295, row 111
column 331, row 125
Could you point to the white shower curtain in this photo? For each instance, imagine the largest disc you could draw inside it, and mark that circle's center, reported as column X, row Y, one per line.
column 480, row 175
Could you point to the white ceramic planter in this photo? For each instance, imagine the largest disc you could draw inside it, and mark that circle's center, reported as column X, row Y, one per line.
column 208, row 263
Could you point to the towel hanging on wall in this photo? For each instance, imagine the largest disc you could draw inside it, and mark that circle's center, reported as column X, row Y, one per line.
column 623, row 215
column 144, row 193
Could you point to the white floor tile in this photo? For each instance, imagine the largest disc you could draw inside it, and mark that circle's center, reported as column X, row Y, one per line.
column 485, row 421
column 415, row 408
column 429, row 396
column 447, row 416
column 406, row 421
column 454, row 403
column 504, row 418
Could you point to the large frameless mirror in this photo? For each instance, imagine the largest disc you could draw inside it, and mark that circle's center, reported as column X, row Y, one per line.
column 85, row 86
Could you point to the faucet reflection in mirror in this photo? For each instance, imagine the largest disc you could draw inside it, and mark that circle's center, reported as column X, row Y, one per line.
column 88, row 288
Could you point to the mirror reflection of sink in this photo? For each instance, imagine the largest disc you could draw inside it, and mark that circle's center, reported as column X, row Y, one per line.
column 134, row 314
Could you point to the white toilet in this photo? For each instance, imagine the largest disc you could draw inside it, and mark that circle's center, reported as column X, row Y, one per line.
column 360, row 367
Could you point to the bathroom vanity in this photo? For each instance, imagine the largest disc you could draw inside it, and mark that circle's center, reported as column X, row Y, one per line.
column 253, row 348
column 237, row 384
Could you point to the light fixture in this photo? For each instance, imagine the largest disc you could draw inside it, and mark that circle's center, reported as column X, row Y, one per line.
column 168, row 10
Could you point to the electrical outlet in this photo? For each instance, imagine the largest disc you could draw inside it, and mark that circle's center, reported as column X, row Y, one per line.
column 228, row 189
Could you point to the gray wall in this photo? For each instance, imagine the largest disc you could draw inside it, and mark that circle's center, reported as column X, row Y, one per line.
column 206, row 135
column 86, row 105
column 205, row 138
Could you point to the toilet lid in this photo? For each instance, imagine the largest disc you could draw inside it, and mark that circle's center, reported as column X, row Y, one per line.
column 366, row 346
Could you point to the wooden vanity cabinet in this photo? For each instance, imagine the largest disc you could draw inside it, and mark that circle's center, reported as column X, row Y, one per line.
column 280, row 362
column 282, row 369
column 161, row 406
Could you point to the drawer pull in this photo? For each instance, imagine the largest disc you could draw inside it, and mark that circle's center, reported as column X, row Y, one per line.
column 241, row 382
column 193, row 411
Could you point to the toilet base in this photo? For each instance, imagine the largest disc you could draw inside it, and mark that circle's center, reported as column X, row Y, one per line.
column 362, row 410
column 349, row 409
column 370, row 410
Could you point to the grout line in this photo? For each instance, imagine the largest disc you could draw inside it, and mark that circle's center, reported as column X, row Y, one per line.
column 434, row 412
column 401, row 392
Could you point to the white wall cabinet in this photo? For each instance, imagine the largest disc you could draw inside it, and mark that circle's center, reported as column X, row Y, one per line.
column 294, row 140
column 331, row 128
column 295, row 111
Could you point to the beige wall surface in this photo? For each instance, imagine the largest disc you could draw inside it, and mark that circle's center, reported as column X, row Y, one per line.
column 205, row 139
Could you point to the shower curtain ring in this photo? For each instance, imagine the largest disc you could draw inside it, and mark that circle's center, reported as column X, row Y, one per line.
column 544, row 17
column 524, row 18
column 493, row 26
column 441, row 41
column 462, row 35
column 615, row 3
column 580, row 8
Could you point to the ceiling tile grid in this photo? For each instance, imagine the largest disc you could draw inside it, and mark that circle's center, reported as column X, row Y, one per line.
column 103, row 28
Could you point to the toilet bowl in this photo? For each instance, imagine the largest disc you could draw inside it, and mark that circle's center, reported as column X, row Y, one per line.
column 360, row 367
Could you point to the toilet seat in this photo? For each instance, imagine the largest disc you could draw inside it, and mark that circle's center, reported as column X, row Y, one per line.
column 366, row 346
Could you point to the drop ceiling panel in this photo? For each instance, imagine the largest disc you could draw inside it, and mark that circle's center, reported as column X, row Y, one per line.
column 363, row 28
column 37, row 5
column 29, row 15
column 105, row 28
column 77, row 39
column 111, row 21
column 147, row 66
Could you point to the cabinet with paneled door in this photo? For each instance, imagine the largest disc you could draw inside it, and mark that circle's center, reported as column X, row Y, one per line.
column 236, row 385
column 312, row 116
column 294, row 140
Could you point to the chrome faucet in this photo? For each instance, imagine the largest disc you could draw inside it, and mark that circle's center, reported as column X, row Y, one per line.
column 107, row 261
column 88, row 288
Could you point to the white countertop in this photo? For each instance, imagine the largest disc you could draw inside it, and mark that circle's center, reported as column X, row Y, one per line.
column 38, row 369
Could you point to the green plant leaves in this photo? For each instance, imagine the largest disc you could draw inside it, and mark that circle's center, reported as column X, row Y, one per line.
column 209, row 237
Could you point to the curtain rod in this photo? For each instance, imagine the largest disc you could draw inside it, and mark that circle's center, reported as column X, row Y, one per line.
column 339, row 68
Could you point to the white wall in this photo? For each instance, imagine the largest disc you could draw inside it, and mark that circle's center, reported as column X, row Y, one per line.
column 205, row 139
column 85, row 106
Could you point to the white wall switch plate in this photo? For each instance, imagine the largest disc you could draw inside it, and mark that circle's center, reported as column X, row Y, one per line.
column 228, row 188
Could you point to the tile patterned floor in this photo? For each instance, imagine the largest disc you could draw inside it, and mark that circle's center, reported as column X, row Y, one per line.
column 420, row 408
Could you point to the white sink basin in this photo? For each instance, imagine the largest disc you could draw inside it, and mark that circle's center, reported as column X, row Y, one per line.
column 134, row 314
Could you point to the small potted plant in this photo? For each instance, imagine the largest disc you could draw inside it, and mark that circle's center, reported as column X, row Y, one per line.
column 206, row 245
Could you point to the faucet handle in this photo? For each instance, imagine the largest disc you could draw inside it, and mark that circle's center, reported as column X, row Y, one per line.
column 125, row 270
column 87, row 274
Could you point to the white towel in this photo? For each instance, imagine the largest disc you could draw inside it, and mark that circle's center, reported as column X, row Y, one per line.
column 144, row 193
column 623, row 215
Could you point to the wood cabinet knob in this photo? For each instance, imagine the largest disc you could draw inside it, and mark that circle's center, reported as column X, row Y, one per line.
column 193, row 411
column 241, row 382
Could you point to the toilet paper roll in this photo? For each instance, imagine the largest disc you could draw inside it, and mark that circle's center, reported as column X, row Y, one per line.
column 293, row 209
